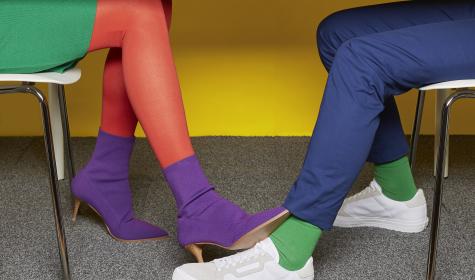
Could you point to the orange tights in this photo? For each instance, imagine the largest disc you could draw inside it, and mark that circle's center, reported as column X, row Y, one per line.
column 140, row 80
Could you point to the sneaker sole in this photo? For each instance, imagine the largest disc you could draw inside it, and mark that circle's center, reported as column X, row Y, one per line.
column 396, row 225
column 179, row 274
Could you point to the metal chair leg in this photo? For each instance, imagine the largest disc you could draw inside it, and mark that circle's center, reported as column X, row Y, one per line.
column 441, row 97
column 431, row 262
column 63, row 252
column 432, row 256
column 66, row 131
column 27, row 87
column 416, row 128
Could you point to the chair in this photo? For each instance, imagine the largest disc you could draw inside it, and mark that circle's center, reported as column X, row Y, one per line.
column 56, row 136
column 462, row 91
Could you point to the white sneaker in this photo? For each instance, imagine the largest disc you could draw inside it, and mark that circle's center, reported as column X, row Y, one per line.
column 258, row 263
column 371, row 208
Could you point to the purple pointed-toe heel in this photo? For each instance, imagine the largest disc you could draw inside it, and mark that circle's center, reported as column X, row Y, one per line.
column 206, row 218
column 227, row 226
column 103, row 185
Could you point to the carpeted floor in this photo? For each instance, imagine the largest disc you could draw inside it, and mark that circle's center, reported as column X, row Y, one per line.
column 256, row 173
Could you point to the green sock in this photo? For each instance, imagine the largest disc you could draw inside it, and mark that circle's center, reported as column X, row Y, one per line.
column 395, row 179
column 295, row 241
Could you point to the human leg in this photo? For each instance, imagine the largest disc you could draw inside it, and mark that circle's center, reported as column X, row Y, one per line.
column 393, row 187
column 393, row 176
column 139, row 29
column 105, row 178
column 118, row 117
column 367, row 70
column 389, row 143
column 389, row 148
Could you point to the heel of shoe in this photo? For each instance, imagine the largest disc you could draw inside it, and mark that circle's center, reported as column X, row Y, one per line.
column 196, row 251
column 77, row 204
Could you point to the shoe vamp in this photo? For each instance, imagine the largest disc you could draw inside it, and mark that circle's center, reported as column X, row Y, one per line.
column 369, row 207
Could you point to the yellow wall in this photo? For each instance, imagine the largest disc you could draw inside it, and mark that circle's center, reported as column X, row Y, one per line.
column 246, row 67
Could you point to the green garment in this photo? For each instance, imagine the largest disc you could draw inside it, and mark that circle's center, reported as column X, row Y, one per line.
column 395, row 179
column 47, row 35
column 295, row 241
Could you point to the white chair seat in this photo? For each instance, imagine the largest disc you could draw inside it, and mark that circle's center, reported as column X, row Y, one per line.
column 69, row 77
column 451, row 85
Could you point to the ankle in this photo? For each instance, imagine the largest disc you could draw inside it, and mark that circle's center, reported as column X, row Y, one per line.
column 396, row 180
column 295, row 241
column 199, row 203
column 400, row 197
column 110, row 159
column 187, row 181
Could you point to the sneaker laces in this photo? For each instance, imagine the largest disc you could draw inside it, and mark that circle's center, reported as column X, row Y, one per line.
column 241, row 257
column 373, row 187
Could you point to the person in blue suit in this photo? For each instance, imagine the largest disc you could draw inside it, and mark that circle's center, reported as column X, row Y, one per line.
column 372, row 54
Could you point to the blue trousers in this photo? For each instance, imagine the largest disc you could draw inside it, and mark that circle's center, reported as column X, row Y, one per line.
column 373, row 54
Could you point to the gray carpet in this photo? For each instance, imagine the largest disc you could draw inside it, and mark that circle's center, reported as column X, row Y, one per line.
column 255, row 173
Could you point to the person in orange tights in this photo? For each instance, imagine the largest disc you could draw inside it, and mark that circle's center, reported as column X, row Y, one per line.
column 141, row 85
